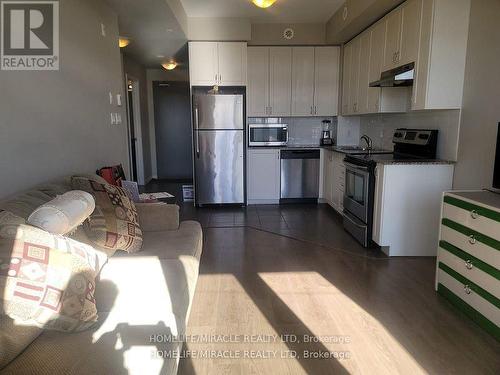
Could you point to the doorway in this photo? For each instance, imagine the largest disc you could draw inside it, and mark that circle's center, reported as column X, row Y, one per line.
column 136, row 158
column 173, row 131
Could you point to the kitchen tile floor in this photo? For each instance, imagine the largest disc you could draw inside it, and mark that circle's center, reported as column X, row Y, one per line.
column 317, row 224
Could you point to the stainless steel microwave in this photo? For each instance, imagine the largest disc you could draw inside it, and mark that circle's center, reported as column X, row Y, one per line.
column 267, row 134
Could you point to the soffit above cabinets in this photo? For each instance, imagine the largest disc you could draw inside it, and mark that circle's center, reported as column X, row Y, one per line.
column 353, row 16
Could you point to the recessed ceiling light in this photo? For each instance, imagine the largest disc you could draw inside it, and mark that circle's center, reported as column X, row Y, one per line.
column 160, row 56
column 123, row 42
column 263, row 3
column 171, row 65
column 170, row 30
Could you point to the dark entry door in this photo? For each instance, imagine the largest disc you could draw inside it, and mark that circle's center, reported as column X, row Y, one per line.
column 173, row 130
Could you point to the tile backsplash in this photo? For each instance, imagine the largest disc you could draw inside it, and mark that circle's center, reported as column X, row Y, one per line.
column 301, row 130
column 381, row 128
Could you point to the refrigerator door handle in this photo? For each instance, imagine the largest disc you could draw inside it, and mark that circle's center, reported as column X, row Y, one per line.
column 197, row 134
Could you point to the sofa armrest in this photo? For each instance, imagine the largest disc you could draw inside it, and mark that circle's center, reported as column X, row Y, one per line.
column 158, row 217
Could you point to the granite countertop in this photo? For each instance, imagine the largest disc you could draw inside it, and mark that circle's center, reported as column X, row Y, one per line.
column 416, row 162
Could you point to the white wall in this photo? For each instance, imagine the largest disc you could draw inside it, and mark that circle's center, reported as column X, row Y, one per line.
column 272, row 34
column 56, row 123
column 481, row 102
column 218, row 29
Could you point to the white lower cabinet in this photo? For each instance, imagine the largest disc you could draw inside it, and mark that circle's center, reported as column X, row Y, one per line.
column 333, row 179
column 263, row 176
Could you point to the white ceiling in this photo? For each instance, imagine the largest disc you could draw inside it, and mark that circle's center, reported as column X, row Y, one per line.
column 282, row 11
column 155, row 34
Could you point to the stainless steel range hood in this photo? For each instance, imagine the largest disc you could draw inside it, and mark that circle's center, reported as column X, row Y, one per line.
column 398, row 77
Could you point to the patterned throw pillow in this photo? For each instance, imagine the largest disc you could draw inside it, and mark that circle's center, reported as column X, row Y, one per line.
column 7, row 217
column 114, row 224
column 47, row 281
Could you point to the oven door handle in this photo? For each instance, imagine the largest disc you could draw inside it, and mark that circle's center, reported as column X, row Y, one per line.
column 348, row 217
column 355, row 166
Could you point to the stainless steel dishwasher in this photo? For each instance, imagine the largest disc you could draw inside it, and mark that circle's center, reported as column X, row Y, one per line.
column 299, row 175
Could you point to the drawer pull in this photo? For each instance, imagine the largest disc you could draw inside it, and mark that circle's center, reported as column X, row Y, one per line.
column 468, row 265
column 474, row 214
column 472, row 239
column 467, row 289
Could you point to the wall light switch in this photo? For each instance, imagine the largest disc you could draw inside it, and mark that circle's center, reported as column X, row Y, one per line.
column 119, row 100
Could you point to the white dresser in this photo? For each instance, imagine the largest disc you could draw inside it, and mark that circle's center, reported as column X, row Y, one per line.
column 468, row 264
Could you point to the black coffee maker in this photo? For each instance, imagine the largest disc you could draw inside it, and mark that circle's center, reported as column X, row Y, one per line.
column 326, row 138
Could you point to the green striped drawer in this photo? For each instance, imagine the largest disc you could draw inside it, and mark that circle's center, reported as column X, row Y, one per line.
column 485, row 267
column 474, row 287
column 482, row 211
column 472, row 313
column 491, row 242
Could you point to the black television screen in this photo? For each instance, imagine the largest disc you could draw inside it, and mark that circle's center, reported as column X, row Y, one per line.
column 496, row 173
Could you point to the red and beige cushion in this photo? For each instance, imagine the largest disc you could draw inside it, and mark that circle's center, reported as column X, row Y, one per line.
column 47, row 280
column 114, row 224
column 64, row 213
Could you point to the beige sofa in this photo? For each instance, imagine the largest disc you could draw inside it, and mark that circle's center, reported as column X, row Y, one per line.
column 143, row 301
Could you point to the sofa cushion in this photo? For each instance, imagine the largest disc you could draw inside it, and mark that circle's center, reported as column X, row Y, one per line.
column 114, row 224
column 64, row 213
column 111, row 348
column 48, row 281
column 14, row 339
column 186, row 241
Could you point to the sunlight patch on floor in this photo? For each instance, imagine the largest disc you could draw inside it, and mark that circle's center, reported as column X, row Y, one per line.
column 340, row 323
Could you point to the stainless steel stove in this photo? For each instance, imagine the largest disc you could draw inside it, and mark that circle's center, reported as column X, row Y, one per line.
column 410, row 146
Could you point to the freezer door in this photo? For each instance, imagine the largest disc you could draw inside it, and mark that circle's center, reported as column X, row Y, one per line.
column 219, row 167
column 218, row 112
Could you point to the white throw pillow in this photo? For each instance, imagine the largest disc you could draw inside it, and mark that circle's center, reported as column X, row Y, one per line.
column 64, row 213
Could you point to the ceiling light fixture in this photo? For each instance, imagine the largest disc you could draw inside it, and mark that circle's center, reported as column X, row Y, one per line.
column 171, row 65
column 123, row 42
column 263, row 3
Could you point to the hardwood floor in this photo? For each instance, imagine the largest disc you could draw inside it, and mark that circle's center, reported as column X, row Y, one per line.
column 253, row 282
column 292, row 272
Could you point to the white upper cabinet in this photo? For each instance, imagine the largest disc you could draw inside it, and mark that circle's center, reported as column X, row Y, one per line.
column 258, row 81
column 346, row 74
column 364, row 72
column 392, row 40
column 326, row 81
column 302, row 81
column 232, row 63
column 218, row 63
column 402, row 35
column 440, row 69
column 354, row 75
column 280, row 97
column 375, row 66
column 203, row 63
column 411, row 14
column 293, row 81
column 432, row 34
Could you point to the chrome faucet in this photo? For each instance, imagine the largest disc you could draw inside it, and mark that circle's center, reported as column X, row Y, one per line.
column 369, row 142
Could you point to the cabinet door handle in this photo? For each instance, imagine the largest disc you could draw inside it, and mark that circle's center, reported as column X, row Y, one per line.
column 472, row 239
column 467, row 289
column 315, row 110
column 474, row 214
column 468, row 264
column 311, row 110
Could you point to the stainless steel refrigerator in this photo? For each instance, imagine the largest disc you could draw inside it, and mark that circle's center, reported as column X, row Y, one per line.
column 219, row 145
